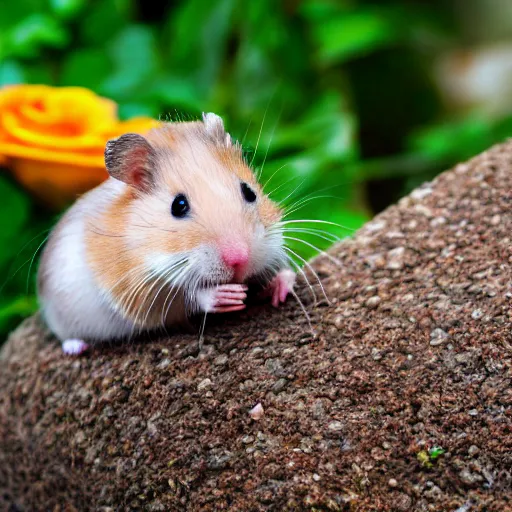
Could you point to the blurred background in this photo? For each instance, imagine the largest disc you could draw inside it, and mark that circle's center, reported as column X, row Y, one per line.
column 349, row 103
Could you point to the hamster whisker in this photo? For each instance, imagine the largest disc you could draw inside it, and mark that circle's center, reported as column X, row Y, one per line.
column 317, row 249
column 183, row 276
column 260, row 172
column 310, row 268
column 303, row 274
column 279, row 187
column 292, row 192
column 313, row 221
column 259, row 134
column 301, row 203
column 171, row 271
column 128, row 299
column 31, row 259
column 322, row 234
column 156, row 227
column 108, row 235
column 273, row 174
column 304, row 310
column 246, row 132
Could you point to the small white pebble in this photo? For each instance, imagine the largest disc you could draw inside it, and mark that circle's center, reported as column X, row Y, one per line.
column 335, row 426
column 204, row 384
column 316, row 477
column 477, row 313
column 421, row 193
column 392, row 482
column 495, row 220
column 438, row 337
column 257, row 412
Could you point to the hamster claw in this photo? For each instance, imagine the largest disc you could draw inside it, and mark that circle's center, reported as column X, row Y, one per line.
column 74, row 347
column 224, row 298
column 281, row 286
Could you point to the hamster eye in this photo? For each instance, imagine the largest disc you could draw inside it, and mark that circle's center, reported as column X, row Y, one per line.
column 248, row 193
column 180, row 206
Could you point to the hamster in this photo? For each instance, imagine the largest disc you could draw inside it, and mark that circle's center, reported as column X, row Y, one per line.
column 179, row 228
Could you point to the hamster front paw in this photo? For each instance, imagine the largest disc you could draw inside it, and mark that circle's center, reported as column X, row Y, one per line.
column 281, row 286
column 224, row 298
column 74, row 347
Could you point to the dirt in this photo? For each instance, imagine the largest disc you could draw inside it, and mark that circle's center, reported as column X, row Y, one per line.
column 401, row 402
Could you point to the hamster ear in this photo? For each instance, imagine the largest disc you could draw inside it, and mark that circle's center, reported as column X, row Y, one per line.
column 214, row 127
column 130, row 158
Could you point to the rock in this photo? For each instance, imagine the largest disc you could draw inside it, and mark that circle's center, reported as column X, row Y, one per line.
column 373, row 302
column 157, row 425
column 470, row 478
column 395, row 258
column 279, row 386
column 257, row 412
column 438, row 337
column 204, row 384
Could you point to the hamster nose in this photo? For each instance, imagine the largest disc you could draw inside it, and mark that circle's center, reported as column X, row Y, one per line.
column 235, row 257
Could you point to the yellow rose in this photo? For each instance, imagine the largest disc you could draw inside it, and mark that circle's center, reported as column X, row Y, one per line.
column 53, row 138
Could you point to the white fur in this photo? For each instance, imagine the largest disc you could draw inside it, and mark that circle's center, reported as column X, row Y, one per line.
column 72, row 303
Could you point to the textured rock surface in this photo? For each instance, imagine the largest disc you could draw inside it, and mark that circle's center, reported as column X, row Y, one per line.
column 415, row 352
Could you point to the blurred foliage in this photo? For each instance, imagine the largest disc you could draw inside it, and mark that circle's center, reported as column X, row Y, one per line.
column 333, row 100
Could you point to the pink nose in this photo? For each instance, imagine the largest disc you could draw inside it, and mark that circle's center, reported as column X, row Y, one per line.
column 235, row 257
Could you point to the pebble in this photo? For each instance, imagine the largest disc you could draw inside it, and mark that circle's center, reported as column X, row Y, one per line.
column 473, row 450
column 162, row 365
column 316, row 477
column 470, row 478
column 376, row 354
column 335, row 426
column 279, row 386
column 204, row 384
column 339, row 322
column 477, row 313
column 396, row 258
column 392, row 482
column 495, row 220
column 247, row 439
column 257, row 412
column 221, row 360
column 373, row 302
column 421, row 193
column 438, row 337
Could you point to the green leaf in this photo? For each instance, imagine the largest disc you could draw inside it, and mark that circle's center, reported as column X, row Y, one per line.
column 67, row 9
column 14, row 309
column 435, row 452
column 103, row 20
column 29, row 36
column 11, row 72
column 197, row 40
column 175, row 92
column 135, row 59
column 14, row 209
column 459, row 139
column 353, row 33
column 86, row 68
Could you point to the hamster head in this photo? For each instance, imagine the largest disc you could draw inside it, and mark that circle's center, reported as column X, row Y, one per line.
column 193, row 207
